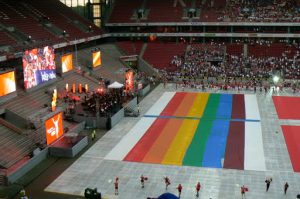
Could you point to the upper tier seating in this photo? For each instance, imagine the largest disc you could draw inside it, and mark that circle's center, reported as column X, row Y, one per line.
column 163, row 11
column 272, row 50
column 5, row 39
column 234, row 49
column 123, row 10
column 68, row 12
column 29, row 18
column 261, row 11
column 22, row 22
column 58, row 18
column 159, row 55
column 210, row 11
column 130, row 48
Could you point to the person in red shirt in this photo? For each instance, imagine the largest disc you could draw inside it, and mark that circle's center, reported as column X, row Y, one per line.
column 243, row 191
column 198, row 186
column 117, row 186
column 179, row 190
column 167, row 182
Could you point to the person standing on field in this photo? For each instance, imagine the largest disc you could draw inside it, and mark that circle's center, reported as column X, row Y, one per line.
column 198, row 187
column 286, row 186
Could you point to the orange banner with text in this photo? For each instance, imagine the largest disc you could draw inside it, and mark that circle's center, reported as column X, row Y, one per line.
column 54, row 128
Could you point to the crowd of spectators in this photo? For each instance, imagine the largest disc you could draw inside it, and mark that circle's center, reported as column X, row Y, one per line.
column 261, row 11
column 145, row 79
column 202, row 63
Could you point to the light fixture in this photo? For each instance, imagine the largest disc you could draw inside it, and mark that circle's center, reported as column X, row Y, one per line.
column 276, row 79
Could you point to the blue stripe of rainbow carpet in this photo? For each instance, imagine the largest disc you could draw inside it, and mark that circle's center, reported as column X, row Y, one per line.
column 201, row 118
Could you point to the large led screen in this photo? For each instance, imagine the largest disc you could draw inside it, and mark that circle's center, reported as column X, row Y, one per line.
column 7, row 83
column 54, row 128
column 97, row 59
column 67, row 63
column 129, row 80
column 38, row 66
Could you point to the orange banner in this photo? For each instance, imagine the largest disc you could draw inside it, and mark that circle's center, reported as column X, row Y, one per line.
column 67, row 63
column 54, row 128
column 97, row 59
column 7, row 83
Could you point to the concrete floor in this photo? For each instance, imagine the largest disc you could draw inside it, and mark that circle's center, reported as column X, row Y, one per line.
column 92, row 170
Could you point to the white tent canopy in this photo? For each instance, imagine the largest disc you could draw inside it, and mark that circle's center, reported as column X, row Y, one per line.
column 115, row 85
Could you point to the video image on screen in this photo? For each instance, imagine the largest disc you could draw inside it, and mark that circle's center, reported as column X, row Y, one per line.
column 8, row 83
column 96, row 59
column 129, row 80
column 38, row 66
column 67, row 63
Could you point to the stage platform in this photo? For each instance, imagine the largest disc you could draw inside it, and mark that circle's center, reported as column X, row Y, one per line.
column 99, row 166
column 68, row 146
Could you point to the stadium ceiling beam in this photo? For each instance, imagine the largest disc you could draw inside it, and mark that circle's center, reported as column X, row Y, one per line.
column 229, row 35
column 272, row 24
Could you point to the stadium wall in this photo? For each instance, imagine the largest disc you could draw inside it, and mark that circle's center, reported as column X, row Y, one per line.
column 34, row 161
column 69, row 152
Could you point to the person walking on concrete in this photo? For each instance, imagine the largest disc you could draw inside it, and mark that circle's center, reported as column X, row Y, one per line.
column 179, row 190
column 268, row 183
column 117, row 186
column 286, row 186
column 167, row 182
column 198, row 187
column 143, row 179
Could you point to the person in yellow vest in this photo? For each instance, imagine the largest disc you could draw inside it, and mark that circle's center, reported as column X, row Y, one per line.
column 93, row 134
column 22, row 193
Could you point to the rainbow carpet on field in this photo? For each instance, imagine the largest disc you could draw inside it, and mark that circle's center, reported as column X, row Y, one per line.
column 197, row 129
column 288, row 107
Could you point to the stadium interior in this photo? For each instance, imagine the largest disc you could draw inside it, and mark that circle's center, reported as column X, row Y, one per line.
column 72, row 70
